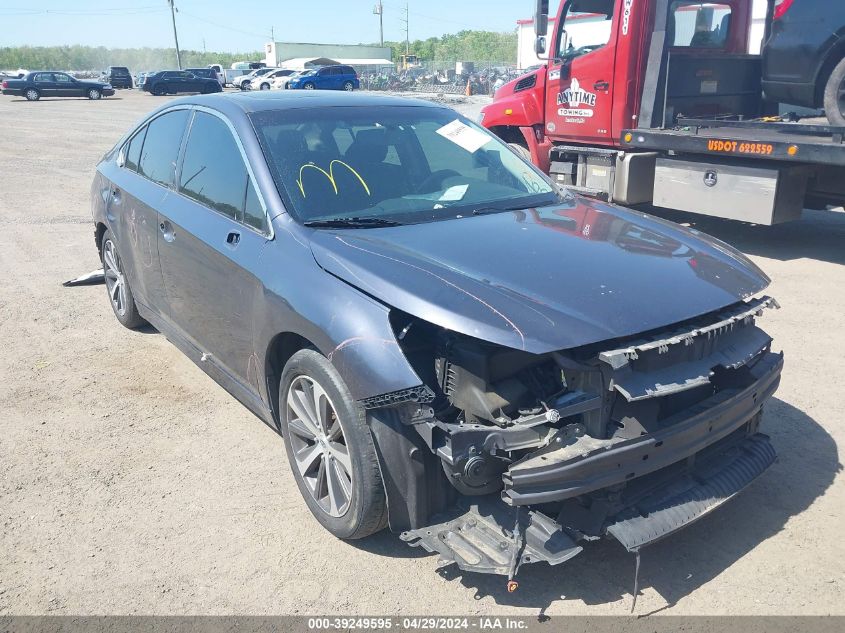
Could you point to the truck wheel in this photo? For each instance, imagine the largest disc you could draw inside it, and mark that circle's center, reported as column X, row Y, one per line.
column 159, row 91
column 834, row 95
column 330, row 449
column 521, row 150
column 32, row 94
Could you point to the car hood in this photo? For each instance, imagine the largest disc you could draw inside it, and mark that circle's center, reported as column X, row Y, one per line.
column 543, row 279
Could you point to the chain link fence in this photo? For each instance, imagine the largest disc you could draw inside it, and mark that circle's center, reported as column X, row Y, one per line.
column 448, row 77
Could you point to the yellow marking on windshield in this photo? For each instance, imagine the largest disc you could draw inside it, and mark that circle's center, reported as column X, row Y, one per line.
column 330, row 176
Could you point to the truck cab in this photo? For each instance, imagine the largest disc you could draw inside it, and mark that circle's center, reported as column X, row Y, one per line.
column 628, row 81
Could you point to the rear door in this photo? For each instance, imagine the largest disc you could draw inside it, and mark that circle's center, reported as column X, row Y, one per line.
column 46, row 84
column 146, row 172
column 579, row 94
column 215, row 230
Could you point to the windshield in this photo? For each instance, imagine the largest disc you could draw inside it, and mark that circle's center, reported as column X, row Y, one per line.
column 399, row 163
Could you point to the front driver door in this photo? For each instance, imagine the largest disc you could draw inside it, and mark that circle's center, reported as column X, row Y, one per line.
column 579, row 94
column 66, row 87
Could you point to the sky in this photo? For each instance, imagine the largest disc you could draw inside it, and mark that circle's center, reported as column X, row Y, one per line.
column 243, row 25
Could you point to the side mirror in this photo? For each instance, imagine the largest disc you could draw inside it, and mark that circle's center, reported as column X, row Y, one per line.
column 541, row 17
column 540, row 45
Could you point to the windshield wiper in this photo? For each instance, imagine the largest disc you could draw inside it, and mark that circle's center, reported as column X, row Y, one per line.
column 351, row 223
column 514, row 206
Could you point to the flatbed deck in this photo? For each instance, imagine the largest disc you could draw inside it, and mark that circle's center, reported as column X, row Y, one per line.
column 788, row 142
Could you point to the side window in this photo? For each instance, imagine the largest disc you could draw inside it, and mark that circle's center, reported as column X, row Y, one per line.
column 696, row 24
column 133, row 150
column 253, row 211
column 585, row 27
column 213, row 170
column 161, row 147
column 61, row 78
column 43, row 77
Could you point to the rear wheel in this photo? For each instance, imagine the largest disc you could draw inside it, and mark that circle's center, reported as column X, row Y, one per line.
column 330, row 448
column 834, row 95
column 94, row 94
column 117, row 286
column 32, row 94
column 349, row 86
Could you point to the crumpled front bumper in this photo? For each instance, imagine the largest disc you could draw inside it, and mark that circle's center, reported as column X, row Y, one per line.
column 560, row 473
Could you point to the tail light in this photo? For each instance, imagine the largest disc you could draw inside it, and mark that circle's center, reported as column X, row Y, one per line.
column 781, row 7
column 5, row 84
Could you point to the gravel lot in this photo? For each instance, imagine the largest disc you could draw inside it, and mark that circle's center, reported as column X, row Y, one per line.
column 130, row 483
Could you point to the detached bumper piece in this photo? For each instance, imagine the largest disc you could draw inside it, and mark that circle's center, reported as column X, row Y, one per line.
column 482, row 537
column 693, row 496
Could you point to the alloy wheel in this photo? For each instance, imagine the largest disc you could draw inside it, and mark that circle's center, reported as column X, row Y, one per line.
column 319, row 446
column 115, row 280
column 840, row 98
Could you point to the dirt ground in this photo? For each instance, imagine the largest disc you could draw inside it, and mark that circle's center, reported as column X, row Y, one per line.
column 130, row 483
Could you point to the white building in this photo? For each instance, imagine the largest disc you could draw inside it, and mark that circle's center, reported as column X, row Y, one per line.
column 525, row 32
column 298, row 56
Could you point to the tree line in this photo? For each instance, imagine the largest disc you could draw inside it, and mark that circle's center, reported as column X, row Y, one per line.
column 477, row 46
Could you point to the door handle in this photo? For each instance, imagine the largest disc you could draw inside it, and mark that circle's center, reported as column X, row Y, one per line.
column 233, row 239
column 166, row 231
column 601, row 85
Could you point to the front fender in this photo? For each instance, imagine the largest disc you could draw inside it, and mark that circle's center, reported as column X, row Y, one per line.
column 351, row 329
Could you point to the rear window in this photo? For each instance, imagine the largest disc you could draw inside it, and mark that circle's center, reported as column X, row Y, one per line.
column 695, row 24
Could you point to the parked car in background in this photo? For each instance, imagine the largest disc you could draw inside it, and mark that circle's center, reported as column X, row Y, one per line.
column 804, row 57
column 243, row 82
column 208, row 73
column 416, row 311
column 141, row 78
column 327, row 78
column 281, row 83
column 118, row 77
column 218, row 73
column 176, row 81
column 45, row 83
column 265, row 82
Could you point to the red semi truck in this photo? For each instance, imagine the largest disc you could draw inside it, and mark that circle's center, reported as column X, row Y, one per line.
column 657, row 102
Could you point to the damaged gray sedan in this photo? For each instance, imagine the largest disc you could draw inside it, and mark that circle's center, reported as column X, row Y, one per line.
column 449, row 344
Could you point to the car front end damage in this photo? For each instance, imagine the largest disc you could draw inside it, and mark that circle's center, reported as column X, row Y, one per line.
column 503, row 457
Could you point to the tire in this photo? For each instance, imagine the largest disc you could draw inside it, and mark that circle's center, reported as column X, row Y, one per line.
column 364, row 511
column 246, row 85
column 159, row 91
column 309, row 86
column 94, row 94
column 121, row 300
column 521, row 150
column 834, row 95
column 32, row 94
column 349, row 86
column 265, row 86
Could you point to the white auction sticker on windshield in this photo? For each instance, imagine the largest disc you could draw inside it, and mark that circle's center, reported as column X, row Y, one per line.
column 463, row 135
column 454, row 193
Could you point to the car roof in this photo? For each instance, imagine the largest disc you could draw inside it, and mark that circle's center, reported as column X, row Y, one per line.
column 260, row 101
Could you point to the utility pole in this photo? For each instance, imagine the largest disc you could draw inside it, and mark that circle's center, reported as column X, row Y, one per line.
column 379, row 11
column 175, row 37
column 407, row 27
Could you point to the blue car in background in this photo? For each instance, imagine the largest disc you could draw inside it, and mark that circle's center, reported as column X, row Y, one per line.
column 327, row 78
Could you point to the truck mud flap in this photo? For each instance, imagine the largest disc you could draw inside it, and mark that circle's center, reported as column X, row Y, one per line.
column 482, row 536
column 693, row 496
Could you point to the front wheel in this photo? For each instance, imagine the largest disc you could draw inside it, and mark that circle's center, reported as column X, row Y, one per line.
column 834, row 95
column 265, row 86
column 94, row 94
column 330, row 449
column 159, row 91
column 349, row 86
column 120, row 295
column 309, row 86
column 32, row 94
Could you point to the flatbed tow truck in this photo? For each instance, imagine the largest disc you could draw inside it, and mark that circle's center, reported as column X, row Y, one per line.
column 657, row 103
